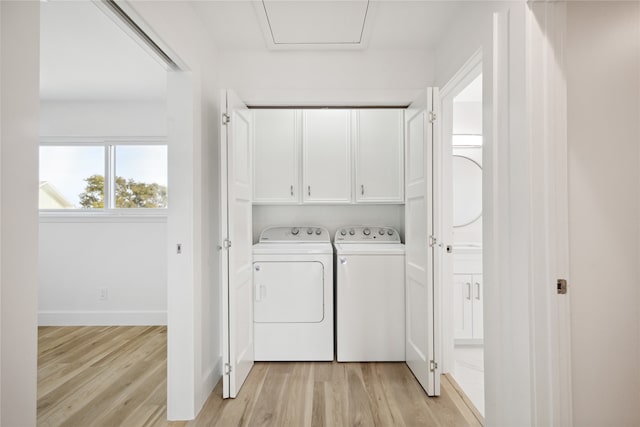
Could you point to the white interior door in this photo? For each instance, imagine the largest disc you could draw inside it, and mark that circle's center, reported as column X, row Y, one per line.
column 237, row 280
column 419, row 243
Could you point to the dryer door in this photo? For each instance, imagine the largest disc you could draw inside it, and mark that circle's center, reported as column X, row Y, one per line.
column 288, row 292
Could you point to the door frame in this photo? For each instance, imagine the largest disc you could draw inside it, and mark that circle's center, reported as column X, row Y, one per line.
column 465, row 75
column 525, row 218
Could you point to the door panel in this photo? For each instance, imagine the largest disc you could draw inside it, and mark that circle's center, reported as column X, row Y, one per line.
column 379, row 155
column 421, row 316
column 238, row 354
column 478, row 301
column 276, row 156
column 287, row 292
column 326, row 140
column 462, row 306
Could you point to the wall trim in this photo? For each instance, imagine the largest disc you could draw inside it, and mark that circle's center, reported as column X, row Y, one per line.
column 210, row 379
column 101, row 318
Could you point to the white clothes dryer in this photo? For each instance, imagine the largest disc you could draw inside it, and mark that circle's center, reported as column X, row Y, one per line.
column 293, row 294
column 370, row 295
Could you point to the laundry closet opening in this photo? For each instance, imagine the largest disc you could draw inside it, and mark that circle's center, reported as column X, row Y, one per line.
column 322, row 193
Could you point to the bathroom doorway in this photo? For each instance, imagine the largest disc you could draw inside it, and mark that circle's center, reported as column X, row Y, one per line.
column 463, row 287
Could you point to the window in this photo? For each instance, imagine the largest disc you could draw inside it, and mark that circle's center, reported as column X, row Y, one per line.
column 104, row 177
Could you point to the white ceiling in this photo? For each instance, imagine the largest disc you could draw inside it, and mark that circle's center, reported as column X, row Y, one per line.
column 315, row 22
column 86, row 56
column 393, row 24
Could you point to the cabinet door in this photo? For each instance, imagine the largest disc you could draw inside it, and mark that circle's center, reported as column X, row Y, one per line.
column 276, row 146
column 379, row 156
column 462, row 306
column 326, row 149
column 478, row 309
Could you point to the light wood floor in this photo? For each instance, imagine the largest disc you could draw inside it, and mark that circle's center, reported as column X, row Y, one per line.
column 116, row 376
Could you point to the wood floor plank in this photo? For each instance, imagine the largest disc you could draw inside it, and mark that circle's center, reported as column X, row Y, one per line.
column 116, row 376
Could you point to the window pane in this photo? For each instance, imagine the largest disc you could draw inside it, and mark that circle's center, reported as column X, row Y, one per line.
column 141, row 176
column 71, row 177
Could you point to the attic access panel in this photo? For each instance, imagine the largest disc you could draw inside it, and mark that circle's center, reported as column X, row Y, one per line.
column 314, row 23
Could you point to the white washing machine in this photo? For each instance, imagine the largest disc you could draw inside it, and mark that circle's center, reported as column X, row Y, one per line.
column 370, row 294
column 293, row 292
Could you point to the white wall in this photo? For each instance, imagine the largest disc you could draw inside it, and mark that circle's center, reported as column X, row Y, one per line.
column 128, row 258
column 103, row 118
column 330, row 217
column 194, row 347
column 603, row 82
column 326, row 77
column 467, row 119
column 19, row 80
column 77, row 257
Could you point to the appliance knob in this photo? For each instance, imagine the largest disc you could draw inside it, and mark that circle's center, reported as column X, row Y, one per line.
column 390, row 232
column 295, row 231
column 318, row 232
column 352, row 232
column 366, row 231
column 343, row 232
column 309, row 231
column 381, row 232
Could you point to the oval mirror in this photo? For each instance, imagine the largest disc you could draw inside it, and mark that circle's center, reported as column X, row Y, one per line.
column 467, row 191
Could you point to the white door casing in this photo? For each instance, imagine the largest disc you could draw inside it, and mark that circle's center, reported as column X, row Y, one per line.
column 237, row 280
column 420, row 327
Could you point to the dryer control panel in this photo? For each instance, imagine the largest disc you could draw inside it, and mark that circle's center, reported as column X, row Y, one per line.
column 300, row 233
column 358, row 234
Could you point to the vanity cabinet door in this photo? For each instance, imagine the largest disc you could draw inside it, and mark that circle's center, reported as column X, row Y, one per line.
column 379, row 156
column 478, row 309
column 463, row 306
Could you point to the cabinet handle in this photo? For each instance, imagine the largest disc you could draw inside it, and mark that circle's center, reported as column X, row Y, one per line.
column 362, row 189
column 477, row 290
column 292, row 190
column 309, row 190
column 468, row 290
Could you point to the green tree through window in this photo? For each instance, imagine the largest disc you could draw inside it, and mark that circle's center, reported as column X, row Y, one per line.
column 129, row 194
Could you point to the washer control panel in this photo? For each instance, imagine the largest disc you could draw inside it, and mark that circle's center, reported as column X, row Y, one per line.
column 300, row 233
column 356, row 234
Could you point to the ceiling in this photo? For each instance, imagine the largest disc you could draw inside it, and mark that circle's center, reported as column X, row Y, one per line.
column 86, row 56
column 392, row 24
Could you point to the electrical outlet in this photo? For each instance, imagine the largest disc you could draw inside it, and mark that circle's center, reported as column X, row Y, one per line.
column 103, row 294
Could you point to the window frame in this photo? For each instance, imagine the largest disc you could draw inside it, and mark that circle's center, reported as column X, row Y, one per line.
column 109, row 144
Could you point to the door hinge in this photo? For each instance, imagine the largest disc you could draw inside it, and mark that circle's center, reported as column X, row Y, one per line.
column 226, row 243
column 227, row 369
column 562, row 286
column 432, row 117
column 433, row 241
column 433, row 365
column 225, row 119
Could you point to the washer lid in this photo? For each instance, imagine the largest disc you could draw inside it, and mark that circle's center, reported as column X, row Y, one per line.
column 369, row 249
column 292, row 248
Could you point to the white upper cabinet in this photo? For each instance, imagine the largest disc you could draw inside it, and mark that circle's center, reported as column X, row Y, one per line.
column 276, row 156
column 379, row 156
column 326, row 148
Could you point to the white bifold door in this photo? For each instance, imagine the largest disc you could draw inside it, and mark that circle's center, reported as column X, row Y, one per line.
column 237, row 255
column 421, row 243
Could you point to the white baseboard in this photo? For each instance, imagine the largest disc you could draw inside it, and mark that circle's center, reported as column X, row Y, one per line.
column 101, row 318
column 209, row 382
